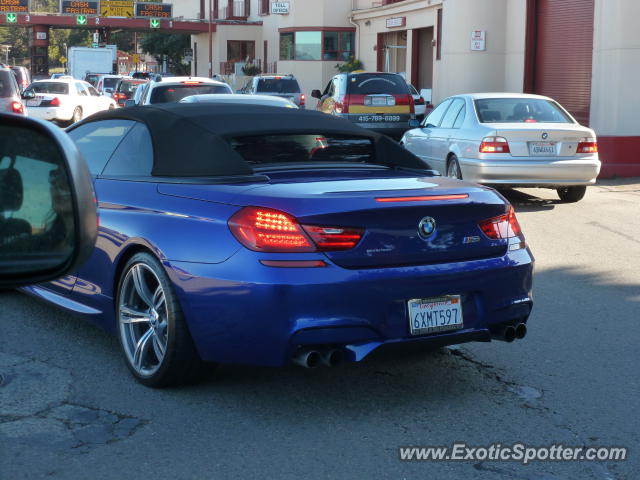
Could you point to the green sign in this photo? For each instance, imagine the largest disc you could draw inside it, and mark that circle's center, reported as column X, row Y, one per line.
column 94, row 45
column 12, row 18
column 154, row 23
column 81, row 20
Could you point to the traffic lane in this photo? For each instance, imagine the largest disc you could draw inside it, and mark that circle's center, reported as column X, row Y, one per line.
column 581, row 348
column 246, row 421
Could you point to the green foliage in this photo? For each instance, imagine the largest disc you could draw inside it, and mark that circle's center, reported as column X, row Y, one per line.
column 251, row 70
column 58, row 38
column 350, row 66
column 172, row 45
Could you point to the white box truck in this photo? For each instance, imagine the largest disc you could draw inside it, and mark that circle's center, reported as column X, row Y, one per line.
column 83, row 60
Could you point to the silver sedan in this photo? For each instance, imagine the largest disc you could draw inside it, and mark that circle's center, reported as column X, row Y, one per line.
column 508, row 139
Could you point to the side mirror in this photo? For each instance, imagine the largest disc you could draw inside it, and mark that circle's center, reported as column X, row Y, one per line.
column 28, row 95
column 48, row 222
column 130, row 103
column 316, row 94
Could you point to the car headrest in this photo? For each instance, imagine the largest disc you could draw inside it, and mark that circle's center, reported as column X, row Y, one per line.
column 491, row 116
column 11, row 190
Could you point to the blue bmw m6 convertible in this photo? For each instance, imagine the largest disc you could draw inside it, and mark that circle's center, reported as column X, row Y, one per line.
column 263, row 235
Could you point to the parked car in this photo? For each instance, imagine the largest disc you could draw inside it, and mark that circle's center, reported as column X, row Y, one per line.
column 265, row 100
column 284, row 86
column 10, row 100
column 508, row 139
column 64, row 101
column 378, row 101
column 107, row 84
column 173, row 89
column 125, row 89
column 235, row 234
column 23, row 77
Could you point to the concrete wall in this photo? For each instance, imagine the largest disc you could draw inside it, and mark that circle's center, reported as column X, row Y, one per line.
column 615, row 92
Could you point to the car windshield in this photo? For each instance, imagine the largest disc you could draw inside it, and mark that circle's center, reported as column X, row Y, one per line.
column 373, row 83
column 278, row 85
column 128, row 87
column 175, row 93
column 6, row 89
column 110, row 82
column 520, row 110
column 57, row 88
column 277, row 149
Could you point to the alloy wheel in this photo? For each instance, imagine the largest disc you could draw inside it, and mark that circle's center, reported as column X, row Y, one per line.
column 143, row 319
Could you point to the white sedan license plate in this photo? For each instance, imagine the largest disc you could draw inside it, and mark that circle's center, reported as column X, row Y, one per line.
column 542, row 148
column 428, row 315
column 34, row 102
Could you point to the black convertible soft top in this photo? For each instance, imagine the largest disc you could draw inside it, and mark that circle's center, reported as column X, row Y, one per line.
column 183, row 133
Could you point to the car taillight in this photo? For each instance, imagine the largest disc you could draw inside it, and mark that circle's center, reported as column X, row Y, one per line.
column 503, row 226
column 268, row 230
column 55, row 102
column 494, row 145
column 119, row 96
column 303, row 99
column 342, row 104
column 419, row 101
column 587, row 145
column 406, row 100
column 191, row 82
column 17, row 107
column 333, row 238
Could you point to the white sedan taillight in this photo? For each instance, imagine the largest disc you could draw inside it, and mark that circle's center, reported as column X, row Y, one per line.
column 494, row 145
column 587, row 145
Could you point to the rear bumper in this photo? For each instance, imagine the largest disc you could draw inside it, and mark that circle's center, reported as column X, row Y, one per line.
column 531, row 171
column 50, row 113
column 240, row 311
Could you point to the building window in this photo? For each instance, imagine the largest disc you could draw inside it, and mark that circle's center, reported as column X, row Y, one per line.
column 322, row 45
column 264, row 7
column 241, row 50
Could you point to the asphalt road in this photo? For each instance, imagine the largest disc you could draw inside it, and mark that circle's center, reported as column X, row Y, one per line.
column 69, row 409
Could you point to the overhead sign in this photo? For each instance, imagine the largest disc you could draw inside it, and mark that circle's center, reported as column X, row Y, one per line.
column 12, row 18
column 72, row 7
column 116, row 8
column 158, row 10
column 396, row 22
column 81, row 20
column 14, row 6
column 154, row 23
column 280, row 8
column 478, row 42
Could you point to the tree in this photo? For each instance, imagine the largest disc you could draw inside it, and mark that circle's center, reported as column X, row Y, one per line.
column 172, row 45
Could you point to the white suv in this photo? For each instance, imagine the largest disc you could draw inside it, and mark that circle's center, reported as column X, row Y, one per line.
column 174, row 89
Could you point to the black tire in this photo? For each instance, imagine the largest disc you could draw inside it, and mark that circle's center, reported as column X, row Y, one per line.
column 181, row 363
column 571, row 194
column 453, row 168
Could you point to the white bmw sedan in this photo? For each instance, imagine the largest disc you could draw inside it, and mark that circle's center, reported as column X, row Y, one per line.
column 508, row 139
column 64, row 101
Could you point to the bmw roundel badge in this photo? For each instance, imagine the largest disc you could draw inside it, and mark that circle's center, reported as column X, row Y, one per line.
column 426, row 227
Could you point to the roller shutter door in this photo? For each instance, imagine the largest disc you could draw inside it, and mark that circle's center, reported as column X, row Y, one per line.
column 564, row 53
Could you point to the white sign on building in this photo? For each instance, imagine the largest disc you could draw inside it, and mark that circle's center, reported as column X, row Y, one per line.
column 478, row 42
column 280, row 8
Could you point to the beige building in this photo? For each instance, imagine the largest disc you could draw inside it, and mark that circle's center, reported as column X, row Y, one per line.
column 583, row 53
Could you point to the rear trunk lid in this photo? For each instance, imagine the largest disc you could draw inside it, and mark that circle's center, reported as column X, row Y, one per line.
column 392, row 233
column 542, row 139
